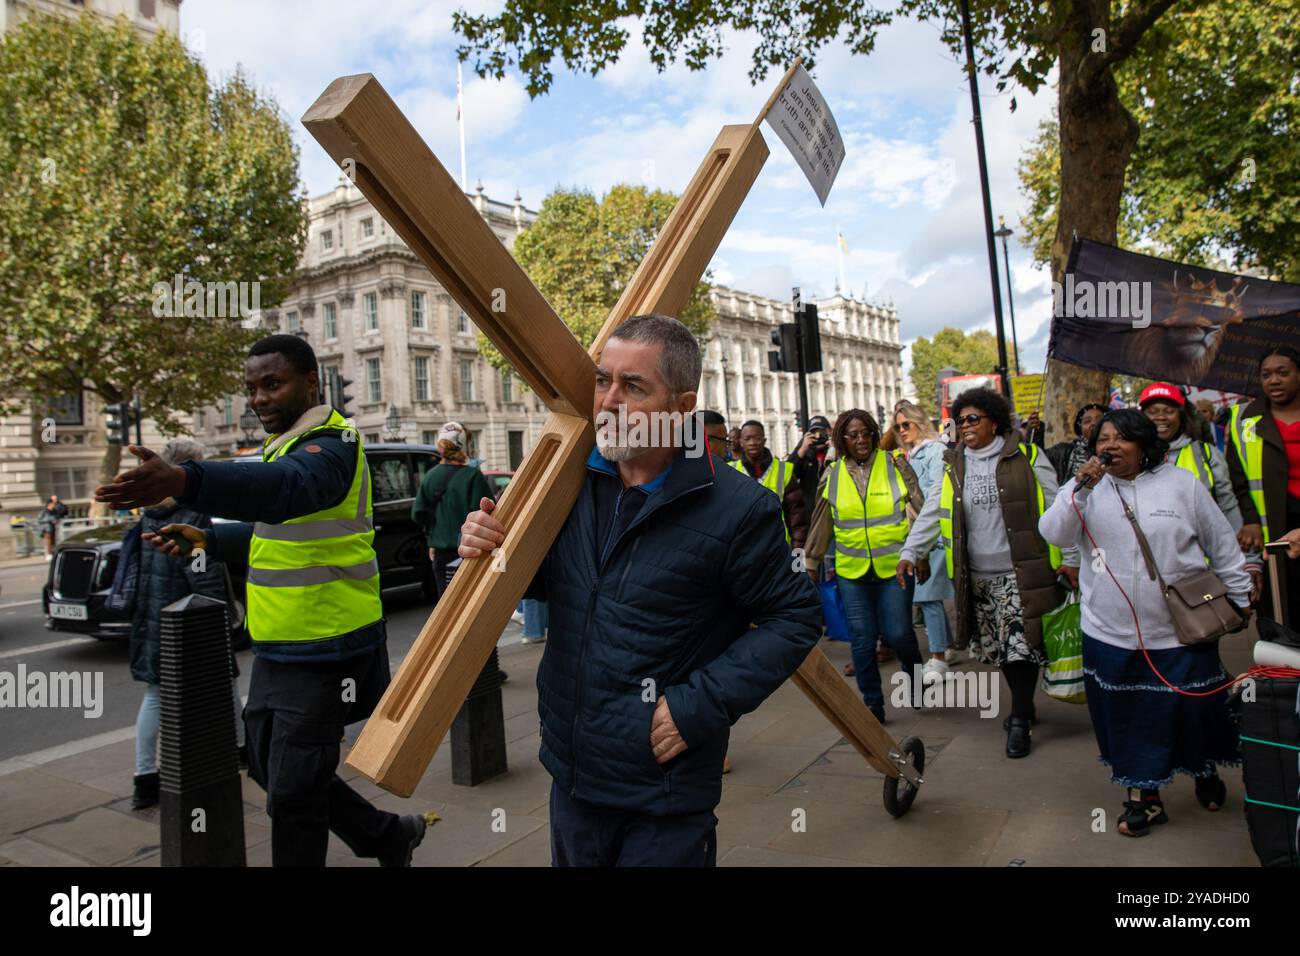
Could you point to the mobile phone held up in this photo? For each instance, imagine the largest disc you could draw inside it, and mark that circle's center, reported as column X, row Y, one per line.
column 180, row 540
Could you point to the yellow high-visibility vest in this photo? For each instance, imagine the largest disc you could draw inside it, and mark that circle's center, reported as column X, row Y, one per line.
column 779, row 474
column 1195, row 457
column 1244, row 434
column 868, row 531
column 316, row 577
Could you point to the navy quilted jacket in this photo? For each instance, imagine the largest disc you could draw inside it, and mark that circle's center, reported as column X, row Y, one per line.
column 668, row 613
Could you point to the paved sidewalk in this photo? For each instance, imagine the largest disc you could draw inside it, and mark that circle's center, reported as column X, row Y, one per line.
column 977, row 808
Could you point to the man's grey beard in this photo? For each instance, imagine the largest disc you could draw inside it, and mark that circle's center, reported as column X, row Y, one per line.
column 611, row 452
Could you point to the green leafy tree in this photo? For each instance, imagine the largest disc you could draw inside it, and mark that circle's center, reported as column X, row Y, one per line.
column 1022, row 42
column 582, row 252
column 1212, row 179
column 123, row 169
column 971, row 353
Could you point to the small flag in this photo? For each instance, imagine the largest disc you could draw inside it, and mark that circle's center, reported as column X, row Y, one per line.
column 843, row 245
column 1116, row 399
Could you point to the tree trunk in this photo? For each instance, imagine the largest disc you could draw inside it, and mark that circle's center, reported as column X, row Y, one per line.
column 108, row 467
column 1097, row 138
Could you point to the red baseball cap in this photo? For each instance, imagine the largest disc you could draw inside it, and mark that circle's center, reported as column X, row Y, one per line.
column 1161, row 391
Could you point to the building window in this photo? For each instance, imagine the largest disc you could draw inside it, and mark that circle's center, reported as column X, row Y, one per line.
column 291, row 322
column 65, row 409
column 507, row 387
column 327, row 240
column 429, row 438
column 421, row 379
column 417, row 310
column 228, row 411
column 146, row 8
column 372, row 380
column 370, row 309
column 331, row 321
column 199, row 417
column 466, row 380
column 367, row 227
column 462, row 322
column 515, row 449
column 68, row 483
column 372, row 438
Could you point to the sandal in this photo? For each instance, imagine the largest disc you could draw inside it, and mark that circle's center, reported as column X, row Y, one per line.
column 1141, row 813
column 1211, row 792
column 849, row 671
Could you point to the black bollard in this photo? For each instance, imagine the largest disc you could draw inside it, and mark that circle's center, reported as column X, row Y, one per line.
column 201, row 801
column 478, row 734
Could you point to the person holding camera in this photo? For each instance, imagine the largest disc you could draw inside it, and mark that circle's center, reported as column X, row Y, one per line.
column 1147, row 690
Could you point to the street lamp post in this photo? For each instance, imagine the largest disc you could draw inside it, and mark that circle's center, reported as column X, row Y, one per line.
column 248, row 421
column 1002, row 233
column 393, row 422
column 726, row 405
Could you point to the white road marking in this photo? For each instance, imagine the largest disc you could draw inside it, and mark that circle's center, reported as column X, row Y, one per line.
column 37, row 648
column 20, row 603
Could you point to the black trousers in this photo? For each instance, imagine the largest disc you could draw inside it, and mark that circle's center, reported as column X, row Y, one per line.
column 583, row 834
column 294, row 722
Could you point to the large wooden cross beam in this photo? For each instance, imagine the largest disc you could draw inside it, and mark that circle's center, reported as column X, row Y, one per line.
column 362, row 129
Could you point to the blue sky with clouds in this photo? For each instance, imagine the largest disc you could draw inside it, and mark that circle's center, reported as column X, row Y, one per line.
column 906, row 199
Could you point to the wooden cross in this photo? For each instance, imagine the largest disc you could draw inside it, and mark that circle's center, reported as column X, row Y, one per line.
column 362, row 129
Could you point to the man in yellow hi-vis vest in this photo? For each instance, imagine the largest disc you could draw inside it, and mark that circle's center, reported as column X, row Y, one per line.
column 314, row 614
column 775, row 475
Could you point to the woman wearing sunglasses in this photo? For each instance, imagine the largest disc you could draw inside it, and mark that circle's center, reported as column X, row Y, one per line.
column 985, row 513
column 918, row 439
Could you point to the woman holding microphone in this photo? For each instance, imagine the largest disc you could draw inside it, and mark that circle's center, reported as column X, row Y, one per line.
column 1147, row 731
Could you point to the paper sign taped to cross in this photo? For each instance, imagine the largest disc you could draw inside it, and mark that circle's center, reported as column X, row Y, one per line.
column 804, row 122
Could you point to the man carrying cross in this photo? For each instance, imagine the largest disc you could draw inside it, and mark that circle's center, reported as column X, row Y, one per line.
column 651, row 585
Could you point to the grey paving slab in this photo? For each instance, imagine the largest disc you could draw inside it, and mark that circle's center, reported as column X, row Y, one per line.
column 929, row 835
column 736, row 856
column 25, row 851
column 29, row 798
column 115, row 759
column 103, row 836
column 533, row 850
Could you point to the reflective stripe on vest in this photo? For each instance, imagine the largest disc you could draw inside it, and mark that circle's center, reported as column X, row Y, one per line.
column 1193, row 457
column 947, row 499
column 1244, row 435
column 316, row 577
column 868, row 532
column 775, row 479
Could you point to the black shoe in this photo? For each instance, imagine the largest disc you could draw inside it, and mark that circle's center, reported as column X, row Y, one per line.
column 1033, row 719
column 1142, row 813
column 879, row 714
column 1017, row 737
column 146, row 791
column 1211, row 792
column 243, row 757
column 412, row 833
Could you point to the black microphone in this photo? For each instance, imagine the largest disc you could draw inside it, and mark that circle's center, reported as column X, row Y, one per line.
column 1106, row 458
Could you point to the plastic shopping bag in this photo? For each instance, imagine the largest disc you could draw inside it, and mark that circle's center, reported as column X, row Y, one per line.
column 837, row 627
column 1063, row 642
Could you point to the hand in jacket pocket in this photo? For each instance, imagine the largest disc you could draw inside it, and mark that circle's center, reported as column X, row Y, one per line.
column 665, row 741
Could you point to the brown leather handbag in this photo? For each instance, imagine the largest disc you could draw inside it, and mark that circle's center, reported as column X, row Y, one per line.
column 1198, row 604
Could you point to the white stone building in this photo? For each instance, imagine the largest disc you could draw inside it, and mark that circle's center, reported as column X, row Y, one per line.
column 148, row 16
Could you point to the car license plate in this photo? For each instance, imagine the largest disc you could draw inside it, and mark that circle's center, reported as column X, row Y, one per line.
column 73, row 612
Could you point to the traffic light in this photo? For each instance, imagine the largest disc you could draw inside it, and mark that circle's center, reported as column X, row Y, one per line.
column 806, row 316
column 787, row 358
column 339, row 398
column 119, row 423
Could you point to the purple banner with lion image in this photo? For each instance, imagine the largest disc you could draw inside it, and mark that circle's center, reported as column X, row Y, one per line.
column 1132, row 314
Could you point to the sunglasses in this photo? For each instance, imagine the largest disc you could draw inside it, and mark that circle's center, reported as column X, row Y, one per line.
column 968, row 419
column 904, row 426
